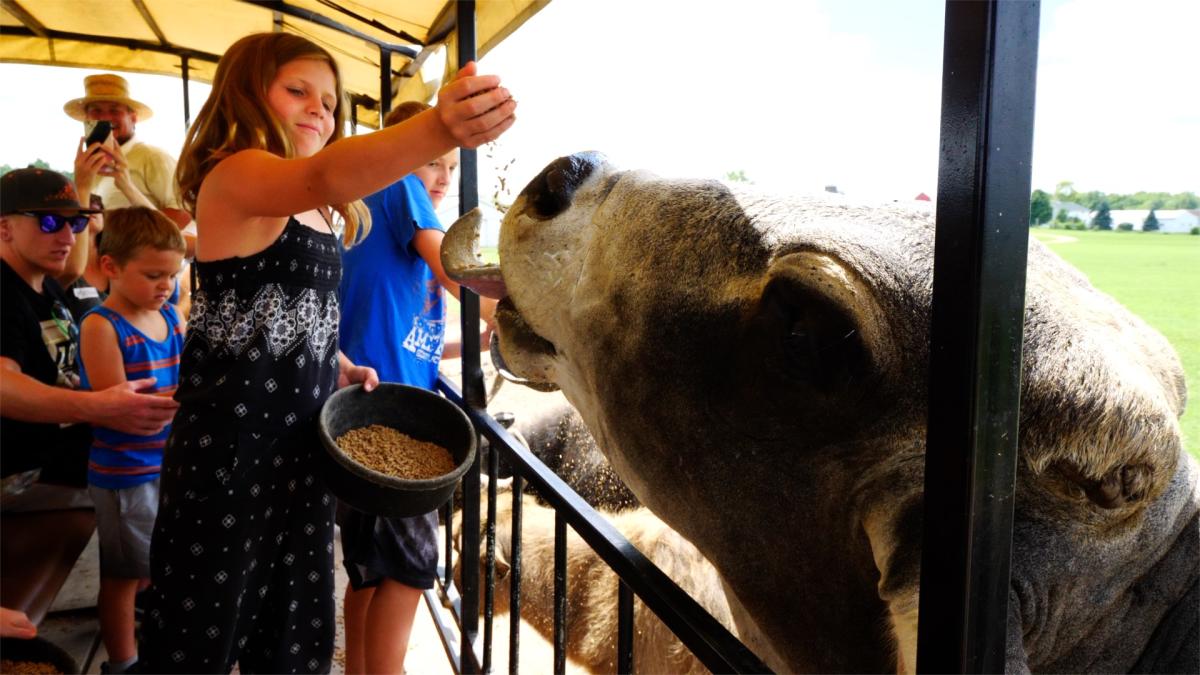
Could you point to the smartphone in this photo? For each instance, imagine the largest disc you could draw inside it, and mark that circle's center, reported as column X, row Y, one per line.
column 98, row 131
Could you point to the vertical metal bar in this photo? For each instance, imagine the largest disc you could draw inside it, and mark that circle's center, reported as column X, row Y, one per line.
column 560, row 593
column 489, row 599
column 187, row 101
column 474, row 392
column 448, row 518
column 976, row 329
column 470, row 568
column 624, row 627
column 472, row 376
column 184, row 65
column 385, row 84
column 514, row 578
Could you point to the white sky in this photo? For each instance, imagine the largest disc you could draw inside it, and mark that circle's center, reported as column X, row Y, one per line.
column 798, row 94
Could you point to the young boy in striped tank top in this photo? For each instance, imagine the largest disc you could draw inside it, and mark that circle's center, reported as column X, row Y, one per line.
column 135, row 334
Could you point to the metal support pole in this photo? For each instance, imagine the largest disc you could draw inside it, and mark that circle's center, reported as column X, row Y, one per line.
column 976, row 329
column 472, row 373
column 187, row 105
column 385, row 84
column 468, row 198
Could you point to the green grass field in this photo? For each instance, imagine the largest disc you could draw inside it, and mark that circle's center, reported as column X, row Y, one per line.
column 1157, row 276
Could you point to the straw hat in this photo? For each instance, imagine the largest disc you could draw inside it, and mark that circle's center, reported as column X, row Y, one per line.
column 105, row 87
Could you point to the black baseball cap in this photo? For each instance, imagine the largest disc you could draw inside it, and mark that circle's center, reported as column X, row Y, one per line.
column 38, row 190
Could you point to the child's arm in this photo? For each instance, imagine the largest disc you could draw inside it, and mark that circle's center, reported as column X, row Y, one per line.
column 100, row 352
column 471, row 110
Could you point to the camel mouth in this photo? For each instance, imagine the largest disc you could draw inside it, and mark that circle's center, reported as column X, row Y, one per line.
column 531, row 351
column 518, row 352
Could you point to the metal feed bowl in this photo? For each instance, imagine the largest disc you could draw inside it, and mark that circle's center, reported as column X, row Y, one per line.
column 416, row 412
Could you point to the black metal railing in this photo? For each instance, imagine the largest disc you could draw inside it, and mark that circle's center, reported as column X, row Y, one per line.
column 709, row 640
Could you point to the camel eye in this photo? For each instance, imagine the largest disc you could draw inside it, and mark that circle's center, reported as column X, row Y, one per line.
column 821, row 348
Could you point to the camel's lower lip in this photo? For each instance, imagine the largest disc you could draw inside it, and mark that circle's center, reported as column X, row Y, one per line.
column 518, row 332
column 524, row 343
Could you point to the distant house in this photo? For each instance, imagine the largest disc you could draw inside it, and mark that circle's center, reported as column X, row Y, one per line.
column 1179, row 221
column 1176, row 220
column 1072, row 209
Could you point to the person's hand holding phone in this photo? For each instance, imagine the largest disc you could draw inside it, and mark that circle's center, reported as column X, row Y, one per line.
column 90, row 162
column 99, row 134
column 97, row 131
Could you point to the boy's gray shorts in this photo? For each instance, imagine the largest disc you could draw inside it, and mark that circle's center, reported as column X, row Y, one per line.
column 125, row 521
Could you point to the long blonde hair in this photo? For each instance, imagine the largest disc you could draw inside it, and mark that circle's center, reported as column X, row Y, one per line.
column 236, row 117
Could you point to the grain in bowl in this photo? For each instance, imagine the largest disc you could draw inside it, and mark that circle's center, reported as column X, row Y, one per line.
column 393, row 453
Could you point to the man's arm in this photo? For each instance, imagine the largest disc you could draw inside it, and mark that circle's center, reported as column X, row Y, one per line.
column 118, row 407
column 158, row 172
column 88, row 162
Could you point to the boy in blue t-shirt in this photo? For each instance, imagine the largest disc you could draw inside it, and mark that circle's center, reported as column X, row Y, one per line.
column 394, row 319
column 134, row 334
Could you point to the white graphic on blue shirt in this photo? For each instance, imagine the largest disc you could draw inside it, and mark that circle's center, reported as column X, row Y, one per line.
column 424, row 339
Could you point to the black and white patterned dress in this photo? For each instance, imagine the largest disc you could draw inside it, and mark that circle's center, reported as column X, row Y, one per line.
column 242, row 553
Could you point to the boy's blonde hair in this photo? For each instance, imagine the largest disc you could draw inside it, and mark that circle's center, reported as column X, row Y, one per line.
column 236, row 117
column 130, row 229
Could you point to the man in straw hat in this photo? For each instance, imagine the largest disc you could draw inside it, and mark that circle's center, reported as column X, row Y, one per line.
column 151, row 170
column 45, row 419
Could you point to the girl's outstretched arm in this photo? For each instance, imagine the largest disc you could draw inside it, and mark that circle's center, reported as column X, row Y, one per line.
column 471, row 110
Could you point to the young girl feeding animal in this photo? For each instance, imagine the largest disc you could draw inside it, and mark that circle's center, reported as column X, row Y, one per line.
column 242, row 554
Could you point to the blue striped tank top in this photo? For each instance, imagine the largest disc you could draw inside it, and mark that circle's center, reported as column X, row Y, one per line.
column 117, row 459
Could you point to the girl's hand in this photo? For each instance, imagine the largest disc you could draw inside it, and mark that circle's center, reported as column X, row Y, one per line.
column 349, row 374
column 14, row 623
column 475, row 109
column 89, row 163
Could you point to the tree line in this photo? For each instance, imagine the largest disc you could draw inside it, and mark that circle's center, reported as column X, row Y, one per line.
column 1041, row 210
column 1065, row 192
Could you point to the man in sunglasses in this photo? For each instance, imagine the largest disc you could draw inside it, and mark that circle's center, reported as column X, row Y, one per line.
column 44, row 419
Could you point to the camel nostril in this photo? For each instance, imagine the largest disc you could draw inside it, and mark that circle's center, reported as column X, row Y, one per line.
column 551, row 191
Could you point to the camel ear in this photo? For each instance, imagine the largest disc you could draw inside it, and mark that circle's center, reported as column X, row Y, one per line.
column 834, row 327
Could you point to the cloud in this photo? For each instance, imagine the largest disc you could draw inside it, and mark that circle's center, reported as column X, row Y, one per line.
column 764, row 87
column 1117, row 96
